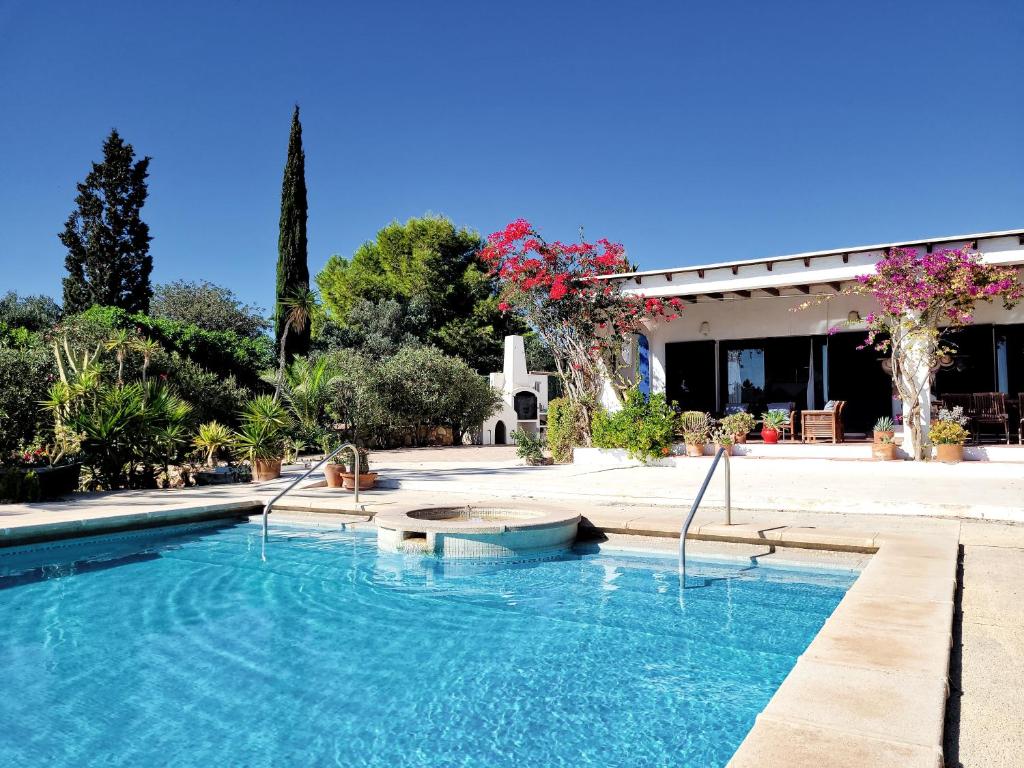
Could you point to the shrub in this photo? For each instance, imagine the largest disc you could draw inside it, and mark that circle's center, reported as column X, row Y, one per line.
column 207, row 306
column 24, row 375
column 215, row 397
column 564, row 430
column 17, row 486
column 222, row 352
column 31, row 313
column 421, row 387
column 528, row 446
column 645, row 427
column 125, row 432
column 129, row 433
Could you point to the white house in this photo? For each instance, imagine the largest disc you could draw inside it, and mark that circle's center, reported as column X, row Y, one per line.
column 742, row 339
column 524, row 397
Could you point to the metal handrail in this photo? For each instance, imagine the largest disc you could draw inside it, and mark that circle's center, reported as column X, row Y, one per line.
column 696, row 503
column 311, row 470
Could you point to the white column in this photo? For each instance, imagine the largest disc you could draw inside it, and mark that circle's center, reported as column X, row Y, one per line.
column 656, row 354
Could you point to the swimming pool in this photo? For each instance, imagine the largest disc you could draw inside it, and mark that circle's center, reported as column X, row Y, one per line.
column 183, row 647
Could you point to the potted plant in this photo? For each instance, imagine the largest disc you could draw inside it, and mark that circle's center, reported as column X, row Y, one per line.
column 884, row 448
column 367, row 479
column 695, row 441
column 696, row 427
column 529, row 447
column 724, row 438
column 884, row 428
column 262, row 435
column 948, row 434
column 335, row 468
column 739, row 425
column 771, row 423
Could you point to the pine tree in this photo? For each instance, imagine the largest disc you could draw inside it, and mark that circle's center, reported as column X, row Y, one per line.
column 292, row 267
column 108, row 259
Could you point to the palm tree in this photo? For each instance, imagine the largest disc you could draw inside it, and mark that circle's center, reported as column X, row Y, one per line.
column 120, row 343
column 298, row 310
column 148, row 349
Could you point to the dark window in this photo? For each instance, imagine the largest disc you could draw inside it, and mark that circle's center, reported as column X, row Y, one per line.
column 690, row 375
column 858, row 377
column 970, row 363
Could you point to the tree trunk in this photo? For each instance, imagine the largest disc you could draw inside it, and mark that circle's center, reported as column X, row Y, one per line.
column 281, row 361
column 912, row 355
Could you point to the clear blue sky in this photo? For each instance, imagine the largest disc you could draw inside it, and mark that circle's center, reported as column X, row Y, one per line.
column 689, row 131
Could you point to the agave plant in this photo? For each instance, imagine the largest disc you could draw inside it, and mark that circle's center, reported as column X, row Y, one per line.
column 264, row 429
column 212, row 438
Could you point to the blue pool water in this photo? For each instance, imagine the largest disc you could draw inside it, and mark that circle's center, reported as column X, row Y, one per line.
column 184, row 648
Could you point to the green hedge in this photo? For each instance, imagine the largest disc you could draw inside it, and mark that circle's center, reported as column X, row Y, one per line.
column 224, row 352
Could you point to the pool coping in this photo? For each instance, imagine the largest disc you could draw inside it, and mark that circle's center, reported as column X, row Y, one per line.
column 871, row 687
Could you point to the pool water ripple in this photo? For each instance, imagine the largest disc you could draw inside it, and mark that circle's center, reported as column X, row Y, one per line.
column 185, row 648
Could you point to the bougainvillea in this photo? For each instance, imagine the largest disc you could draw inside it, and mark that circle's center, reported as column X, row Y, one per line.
column 920, row 298
column 585, row 321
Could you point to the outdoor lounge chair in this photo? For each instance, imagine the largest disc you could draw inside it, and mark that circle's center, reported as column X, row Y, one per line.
column 825, row 424
column 787, row 425
column 990, row 408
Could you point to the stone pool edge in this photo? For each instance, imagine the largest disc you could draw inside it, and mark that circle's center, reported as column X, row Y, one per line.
column 871, row 687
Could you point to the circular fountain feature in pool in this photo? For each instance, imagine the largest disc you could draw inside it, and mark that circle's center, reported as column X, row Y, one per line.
column 482, row 530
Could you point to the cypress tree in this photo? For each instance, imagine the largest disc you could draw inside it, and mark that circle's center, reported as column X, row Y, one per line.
column 292, row 267
column 108, row 259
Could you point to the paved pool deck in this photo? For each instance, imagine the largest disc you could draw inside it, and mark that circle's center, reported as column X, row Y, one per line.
column 980, row 613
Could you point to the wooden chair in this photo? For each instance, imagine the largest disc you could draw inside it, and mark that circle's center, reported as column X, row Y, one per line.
column 787, row 426
column 826, row 423
column 990, row 408
column 1020, row 412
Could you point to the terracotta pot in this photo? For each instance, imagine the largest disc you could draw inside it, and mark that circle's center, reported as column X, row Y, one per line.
column 740, row 439
column 694, row 450
column 728, row 449
column 266, row 469
column 333, row 473
column 879, row 435
column 770, row 436
column 949, row 453
column 366, row 481
column 884, row 451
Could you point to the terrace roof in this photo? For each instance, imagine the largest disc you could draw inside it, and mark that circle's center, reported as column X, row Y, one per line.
column 801, row 273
